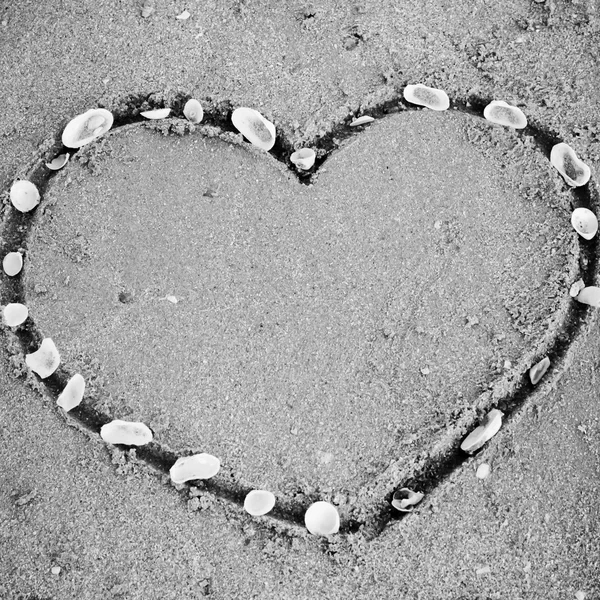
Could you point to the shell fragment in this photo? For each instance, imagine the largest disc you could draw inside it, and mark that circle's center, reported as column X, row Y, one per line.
column 304, row 158
column 501, row 113
column 198, row 466
column 426, row 96
column 254, row 127
column 539, row 370
column 183, row 16
column 259, row 502
column 584, row 222
column 15, row 314
column 86, row 127
column 130, row 433
column 322, row 518
column 72, row 395
column 362, row 121
column 589, row 295
column 192, row 111
column 404, row 499
column 483, row 471
column 490, row 425
column 24, row 195
column 59, row 162
column 12, row 263
column 158, row 113
column 573, row 170
column 45, row 360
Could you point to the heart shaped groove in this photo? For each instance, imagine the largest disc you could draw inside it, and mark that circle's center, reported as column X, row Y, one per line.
column 427, row 471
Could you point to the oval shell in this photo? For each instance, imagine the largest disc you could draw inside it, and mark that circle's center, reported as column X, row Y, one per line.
column 589, row 295
column 362, row 121
column 24, row 195
column 198, row 466
column 15, row 314
column 158, row 113
column 498, row 111
column 86, row 127
column 490, row 425
column 12, row 263
column 584, row 222
column 426, row 96
column 259, row 502
column 254, row 127
column 539, row 370
column 45, row 360
column 322, row 518
column 72, row 394
column 59, row 162
column 483, row 471
column 304, row 158
column 573, row 170
column 193, row 111
column 404, row 499
column 130, row 433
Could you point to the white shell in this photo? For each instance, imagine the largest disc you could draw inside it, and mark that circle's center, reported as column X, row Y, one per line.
column 183, row 16
column 589, row 295
column 483, row 471
column 576, row 288
column 322, row 518
column 24, row 195
column 198, row 466
column 304, row 158
column 158, row 113
column 86, row 127
column 72, row 395
column 490, row 425
column 426, row 96
column 573, row 170
column 58, row 162
column 584, row 222
column 45, row 360
column 362, row 121
column 539, row 370
column 254, row 127
column 193, row 111
column 12, row 263
column 498, row 111
column 259, row 502
column 15, row 314
column 130, row 433
column 404, row 499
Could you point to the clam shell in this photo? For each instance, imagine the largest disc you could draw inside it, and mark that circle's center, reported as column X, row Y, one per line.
column 404, row 499
column 490, row 425
column 573, row 170
column 539, row 370
column 589, row 295
column 130, row 433
column 304, row 158
column 322, row 518
column 12, row 263
column 45, row 360
column 498, row 111
column 426, row 96
column 24, row 195
column 254, row 127
column 15, row 314
column 259, row 502
column 198, row 466
column 59, row 162
column 584, row 222
column 86, row 127
column 193, row 111
column 158, row 113
column 483, row 471
column 362, row 121
column 72, row 394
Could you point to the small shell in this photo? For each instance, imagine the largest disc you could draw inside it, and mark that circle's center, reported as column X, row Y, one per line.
column 483, row 471
column 589, row 295
column 574, row 171
column 576, row 288
column 86, row 127
column 304, row 158
column 259, row 502
column 24, row 195
column 72, row 395
column 158, row 113
column 193, row 111
column 498, row 111
column 198, row 466
column 539, row 370
column 426, row 96
column 45, row 360
column 129, row 433
column 490, row 425
column 12, row 263
column 404, row 499
column 15, row 314
column 183, row 16
column 254, row 127
column 362, row 121
column 584, row 222
column 322, row 518
column 59, row 162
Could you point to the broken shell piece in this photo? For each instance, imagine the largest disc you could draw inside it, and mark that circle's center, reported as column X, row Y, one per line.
column 304, row 158
column 576, row 288
column 483, row 471
column 72, row 395
column 130, row 433
column 498, row 111
column 259, row 502
column 322, row 518
column 254, row 127
column 24, row 195
column 198, row 466
column 15, row 314
column 59, row 162
column 86, row 127
column 539, row 370
column 192, row 111
column 490, row 425
column 584, row 222
column 158, row 113
column 404, row 499
column 362, row 121
column 589, row 295
column 183, row 16
column 12, row 263
column 573, row 170
column 426, row 96
column 45, row 360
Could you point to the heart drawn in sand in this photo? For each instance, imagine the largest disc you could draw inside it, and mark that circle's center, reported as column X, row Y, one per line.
column 329, row 334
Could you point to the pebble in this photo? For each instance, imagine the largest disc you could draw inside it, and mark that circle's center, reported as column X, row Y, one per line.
column 24, row 195
column 322, row 518
column 197, row 466
column 589, row 295
column 15, row 314
column 501, row 113
column 72, row 395
column 259, row 502
column 490, row 425
column 573, row 170
column 12, row 263
column 483, row 471
column 130, row 433
column 45, row 360
column 254, row 127
column 426, row 96
column 539, row 370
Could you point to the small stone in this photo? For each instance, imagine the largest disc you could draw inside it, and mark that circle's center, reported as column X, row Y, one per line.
column 172, row 299
column 483, row 471
column 55, row 570
column 425, row 370
column 183, row 16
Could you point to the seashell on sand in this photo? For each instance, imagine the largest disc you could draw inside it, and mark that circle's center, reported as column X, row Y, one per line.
column 576, row 288
column 72, row 394
column 15, row 314
column 362, row 121
column 573, row 170
column 589, row 295
column 45, row 360
column 12, row 263
column 86, row 127
column 498, row 111
column 254, row 127
column 198, row 466
column 158, row 113
column 483, row 471
column 59, row 162
column 584, row 222
column 24, row 195
column 539, row 370
column 489, row 427
column 130, row 433
column 426, row 96
column 404, row 499
column 259, row 502
column 192, row 111
column 304, row 158
column 183, row 16
column 322, row 518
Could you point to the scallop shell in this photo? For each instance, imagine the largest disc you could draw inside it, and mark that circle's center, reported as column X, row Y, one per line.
column 130, row 433
column 197, row 466
column 254, row 127
column 59, row 162
column 193, row 111
column 490, row 425
column 12, row 263
column 539, row 370
column 158, row 113
column 15, row 314
column 86, row 127
column 589, row 295
column 426, row 96
column 45, row 360
column 573, row 170
column 404, row 499
column 322, row 518
column 304, row 158
column 24, row 195
column 362, row 121
column 72, row 394
column 498, row 111
column 259, row 502
column 584, row 222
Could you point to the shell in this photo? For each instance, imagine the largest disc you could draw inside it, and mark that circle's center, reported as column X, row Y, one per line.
column 573, row 170
column 426, row 96
column 45, row 360
column 158, row 113
column 362, row 121
column 72, row 394
column 183, row 16
column 15, row 314
column 589, row 295
column 12, row 263
column 483, row 471
column 404, row 499
column 254, row 127
column 86, row 127
column 193, row 111
column 322, row 518
column 24, row 195
column 490, row 425
column 197, row 466
column 130, row 433
column 304, row 158
column 259, row 502
column 498, row 111
column 576, row 288
column 58, row 162
column 584, row 222
column 539, row 370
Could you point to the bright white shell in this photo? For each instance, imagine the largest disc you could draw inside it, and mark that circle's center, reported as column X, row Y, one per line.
column 498, row 111
column 86, row 127
column 158, row 113
column 589, row 295
column 426, row 96
column 584, row 222
column 198, row 466
column 45, row 360
column 15, row 314
column 322, row 518
column 58, row 162
column 573, row 170
column 539, row 370
column 12, row 263
column 193, row 111
column 304, row 158
column 490, row 425
column 259, row 502
column 483, row 471
column 254, row 127
column 24, row 195
column 72, row 395
column 362, row 121
column 130, row 433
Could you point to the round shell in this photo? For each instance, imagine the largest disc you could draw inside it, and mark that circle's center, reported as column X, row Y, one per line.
column 24, row 195
column 193, row 111
column 589, row 295
column 198, row 466
column 86, row 127
column 584, row 222
column 259, row 502
column 72, row 395
column 498, row 111
column 59, row 162
column 12, row 263
column 304, row 158
column 322, row 518
column 490, row 425
column 15, row 314
column 130, row 433
column 45, row 360
column 158, row 113
column 573, row 170
column 362, row 121
column 254, row 127
column 426, row 96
